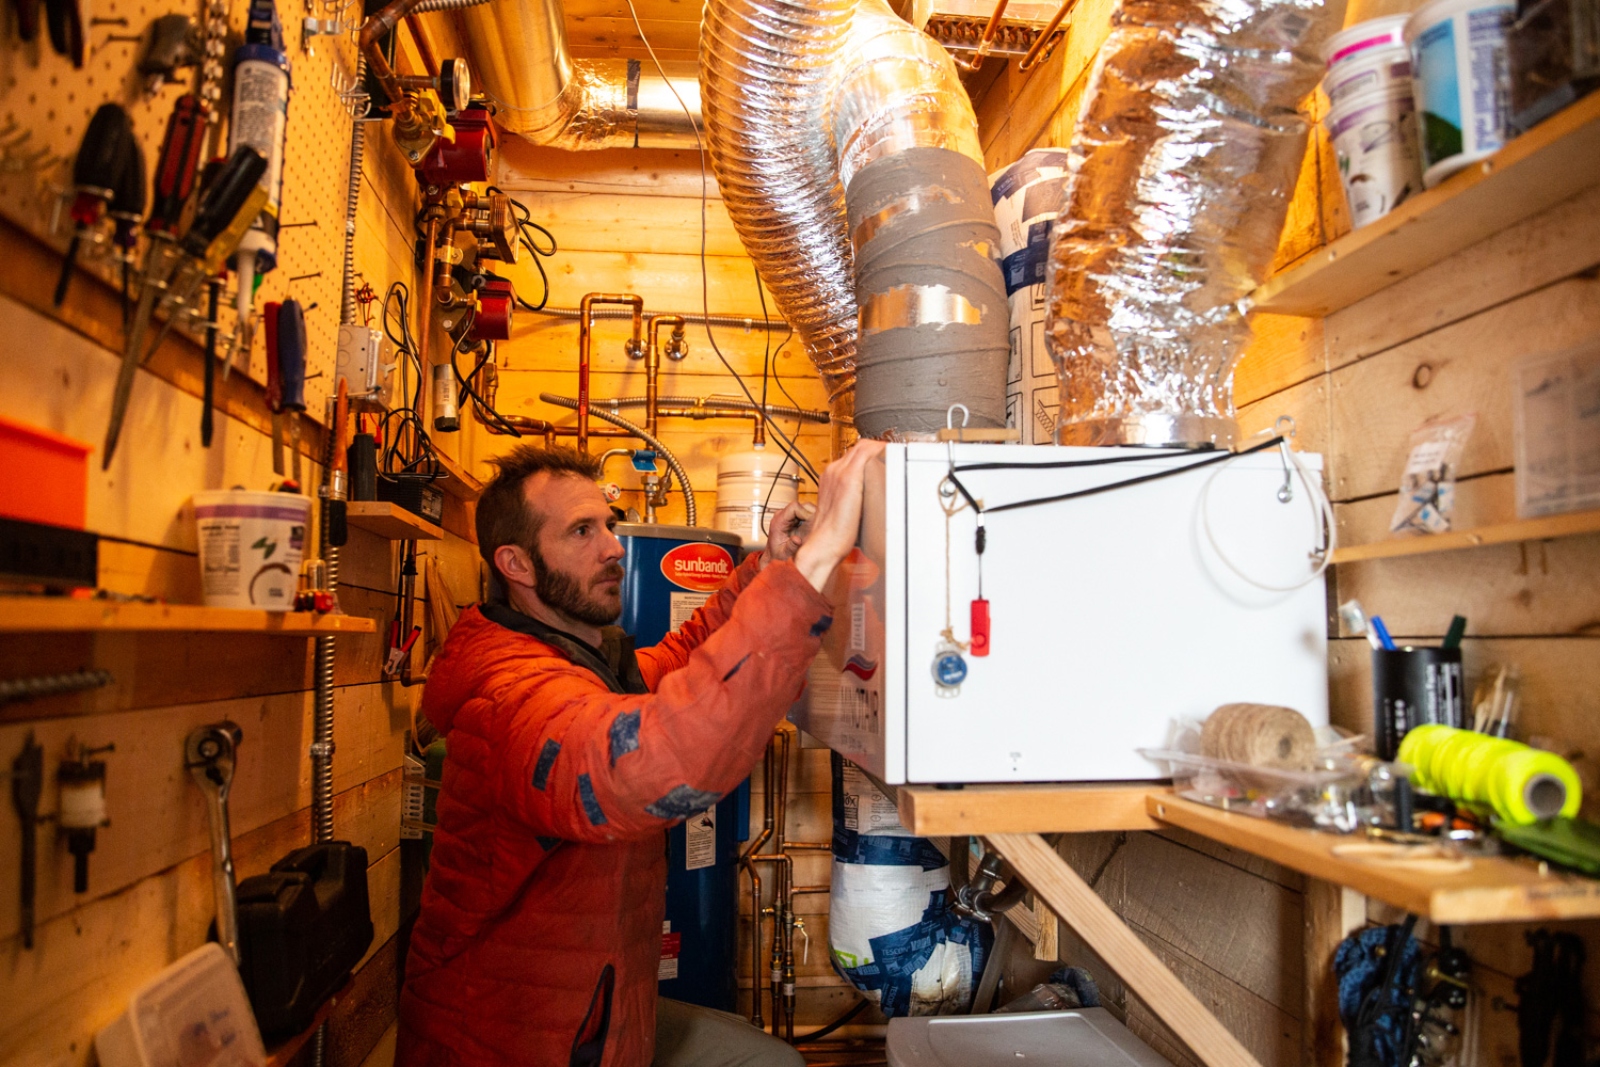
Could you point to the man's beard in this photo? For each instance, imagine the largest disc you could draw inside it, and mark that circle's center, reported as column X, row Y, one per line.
column 563, row 593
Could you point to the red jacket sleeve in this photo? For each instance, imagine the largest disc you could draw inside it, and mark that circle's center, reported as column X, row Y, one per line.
column 581, row 763
column 656, row 662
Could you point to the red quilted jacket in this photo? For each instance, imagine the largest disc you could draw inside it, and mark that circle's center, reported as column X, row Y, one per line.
column 549, row 866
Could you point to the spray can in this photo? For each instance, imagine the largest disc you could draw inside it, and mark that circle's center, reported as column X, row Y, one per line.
column 260, row 120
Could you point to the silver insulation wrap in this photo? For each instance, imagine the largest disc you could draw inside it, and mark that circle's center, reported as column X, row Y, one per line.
column 520, row 58
column 837, row 122
column 1184, row 159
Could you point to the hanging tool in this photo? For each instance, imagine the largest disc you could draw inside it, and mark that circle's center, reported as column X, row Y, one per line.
column 260, row 119
column 337, row 490
column 171, row 43
column 286, row 377
column 126, row 211
column 225, row 211
column 99, row 170
column 213, row 299
column 27, row 783
column 64, row 20
column 210, row 753
column 174, row 182
column 27, row 12
column 269, row 318
column 82, row 809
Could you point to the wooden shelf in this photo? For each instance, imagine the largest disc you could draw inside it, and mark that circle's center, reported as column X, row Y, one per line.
column 1540, row 529
column 460, row 484
column 1490, row 889
column 1544, row 166
column 388, row 519
column 1078, row 807
column 59, row 615
column 284, row 1052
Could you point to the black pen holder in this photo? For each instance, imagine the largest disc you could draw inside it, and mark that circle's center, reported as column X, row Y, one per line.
column 1413, row 687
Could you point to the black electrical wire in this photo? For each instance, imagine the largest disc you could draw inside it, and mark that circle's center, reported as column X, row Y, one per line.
column 407, row 447
column 1221, row 456
column 479, row 404
column 819, row 1034
column 525, row 223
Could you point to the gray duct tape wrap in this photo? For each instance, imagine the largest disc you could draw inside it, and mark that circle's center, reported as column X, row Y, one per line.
column 1184, row 159
column 934, row 324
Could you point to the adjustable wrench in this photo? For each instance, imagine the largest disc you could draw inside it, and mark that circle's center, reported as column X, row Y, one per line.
column 209, row 754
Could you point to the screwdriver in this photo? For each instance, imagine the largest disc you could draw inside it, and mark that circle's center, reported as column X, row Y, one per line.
column 97, row 173
column 292, row 373
column 337, row 512
column 27, row 782
column 226, row 211
column 269, row 317
column 126, row 209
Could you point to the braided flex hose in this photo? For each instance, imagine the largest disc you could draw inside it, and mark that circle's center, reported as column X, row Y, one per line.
column 595, row 410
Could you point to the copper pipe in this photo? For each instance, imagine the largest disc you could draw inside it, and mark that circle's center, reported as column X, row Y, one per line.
column 441, row 267
column 372, row 32
column 419, row 37
column 1040, row 43
column 985, row 42
column 585, row 340
column 652, row 370
column 430, row 237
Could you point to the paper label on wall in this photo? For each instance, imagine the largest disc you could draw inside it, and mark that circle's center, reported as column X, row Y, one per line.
column 700, row 840
column 671, row 947
column 682, row 608
column 866, row 809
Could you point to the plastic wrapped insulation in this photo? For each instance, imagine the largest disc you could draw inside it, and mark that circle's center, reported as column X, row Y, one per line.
column 824, row 117
column 1184, row 159
column 520, row 58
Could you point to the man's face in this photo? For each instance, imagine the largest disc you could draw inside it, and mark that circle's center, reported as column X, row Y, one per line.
column 576, row 556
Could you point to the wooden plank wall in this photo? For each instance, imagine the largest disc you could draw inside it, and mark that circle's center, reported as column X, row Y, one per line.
column 150, row 897
column 630, row 222
column 1437, row 344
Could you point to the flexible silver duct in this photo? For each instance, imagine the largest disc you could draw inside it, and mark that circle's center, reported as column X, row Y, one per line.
column 847, row 154
column 519, row 57
column 1183, row 163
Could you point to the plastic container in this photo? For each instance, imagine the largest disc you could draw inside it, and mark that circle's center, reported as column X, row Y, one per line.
column 1461, row 82
column 1375, row 142
column 44, row 477
column 1376, row 70
column 251, row 545
column 191, row 1014
column 750, row 486
column 1354, row 41
column 1413, row 687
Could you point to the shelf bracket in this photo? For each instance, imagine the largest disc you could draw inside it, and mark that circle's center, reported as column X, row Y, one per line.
column 1081, row 908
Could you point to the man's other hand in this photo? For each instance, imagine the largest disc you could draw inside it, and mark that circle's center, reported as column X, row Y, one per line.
column 833, row 530
column 786, row 531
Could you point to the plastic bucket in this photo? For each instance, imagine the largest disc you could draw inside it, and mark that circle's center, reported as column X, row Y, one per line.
column 1352, row 41
column 1375, row 141
column 1376, row 70
column 251, row 545
column 751, row 486
column 44, row 477
column 1461, row 82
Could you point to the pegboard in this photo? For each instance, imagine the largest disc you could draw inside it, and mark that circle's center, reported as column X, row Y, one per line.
column 44, row 98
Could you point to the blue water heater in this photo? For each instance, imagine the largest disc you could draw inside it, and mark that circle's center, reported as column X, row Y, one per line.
column 671, row 570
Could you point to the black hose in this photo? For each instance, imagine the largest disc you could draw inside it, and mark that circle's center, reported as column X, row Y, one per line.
column 818, row 1035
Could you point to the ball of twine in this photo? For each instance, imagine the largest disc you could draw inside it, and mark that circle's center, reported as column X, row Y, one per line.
column 1261, row 735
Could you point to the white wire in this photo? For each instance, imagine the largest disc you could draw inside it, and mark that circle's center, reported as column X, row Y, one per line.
column 1321, row 506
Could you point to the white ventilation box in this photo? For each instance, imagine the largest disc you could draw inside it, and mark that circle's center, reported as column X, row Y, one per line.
column 1087, row 1037
column 1112, row 616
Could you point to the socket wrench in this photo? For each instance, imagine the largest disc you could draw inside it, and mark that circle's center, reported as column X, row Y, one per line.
column 209, row 753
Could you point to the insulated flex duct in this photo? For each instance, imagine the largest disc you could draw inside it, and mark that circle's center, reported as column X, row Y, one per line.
column 520, row 58
column 1184, row 159
column 847, row 154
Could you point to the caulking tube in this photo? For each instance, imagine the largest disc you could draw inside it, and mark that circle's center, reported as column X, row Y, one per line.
column 260, row 119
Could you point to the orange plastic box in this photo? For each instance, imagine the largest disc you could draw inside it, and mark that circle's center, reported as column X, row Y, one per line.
column 44, row 477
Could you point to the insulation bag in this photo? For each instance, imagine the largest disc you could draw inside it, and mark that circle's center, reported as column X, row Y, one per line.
column 891, row 932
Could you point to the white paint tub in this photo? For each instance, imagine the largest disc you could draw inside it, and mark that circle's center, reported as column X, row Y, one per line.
column 1375, row 70
column 1461, row 82
column 1375, row 141
column 1353, row 42
column 751, row 486
column 251, row 545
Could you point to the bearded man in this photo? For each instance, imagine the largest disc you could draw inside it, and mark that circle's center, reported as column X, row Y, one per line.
column 570, row 755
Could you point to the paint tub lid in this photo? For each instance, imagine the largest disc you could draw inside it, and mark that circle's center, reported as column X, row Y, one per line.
column 1440, row 10
column 1385, row 32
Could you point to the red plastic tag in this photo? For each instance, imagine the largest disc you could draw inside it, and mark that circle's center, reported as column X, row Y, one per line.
column 980, row 628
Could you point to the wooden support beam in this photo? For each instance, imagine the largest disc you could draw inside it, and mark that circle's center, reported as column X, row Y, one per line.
column 1332, row 914
column 1070, row 897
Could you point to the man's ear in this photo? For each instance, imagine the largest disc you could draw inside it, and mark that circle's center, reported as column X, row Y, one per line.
column 514, row 565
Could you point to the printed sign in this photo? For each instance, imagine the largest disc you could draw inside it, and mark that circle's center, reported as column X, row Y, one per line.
column 700, row 566
column 700, row 840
